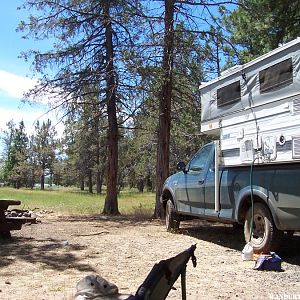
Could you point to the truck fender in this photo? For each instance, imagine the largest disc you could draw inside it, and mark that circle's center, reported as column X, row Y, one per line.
column 166, row 195
column 259, row 194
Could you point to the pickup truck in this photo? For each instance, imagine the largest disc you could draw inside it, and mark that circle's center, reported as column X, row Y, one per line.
column 264, row 198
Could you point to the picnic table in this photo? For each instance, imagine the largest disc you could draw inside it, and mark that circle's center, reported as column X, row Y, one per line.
column 8, row 223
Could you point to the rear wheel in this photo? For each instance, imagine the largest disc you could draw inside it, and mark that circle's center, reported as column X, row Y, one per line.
column 172, row 219
column 290, row 233
column 265, row 236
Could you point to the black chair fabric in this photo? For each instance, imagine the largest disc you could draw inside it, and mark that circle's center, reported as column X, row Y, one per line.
column 163, row 275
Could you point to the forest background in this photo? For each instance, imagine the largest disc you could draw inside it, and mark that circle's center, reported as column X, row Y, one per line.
column 125, row 76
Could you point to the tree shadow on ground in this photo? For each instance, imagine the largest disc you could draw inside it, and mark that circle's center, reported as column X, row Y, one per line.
column 221, row 234
column 53, row 254
column 232, row 237
column 118, row 220
column 289, row 250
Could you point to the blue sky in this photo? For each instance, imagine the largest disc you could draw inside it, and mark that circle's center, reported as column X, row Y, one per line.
column 15, row 74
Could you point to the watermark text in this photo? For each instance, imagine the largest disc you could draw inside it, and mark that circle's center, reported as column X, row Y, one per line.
column 284, row 296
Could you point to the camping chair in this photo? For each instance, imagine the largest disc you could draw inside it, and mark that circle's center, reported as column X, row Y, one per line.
column 156, row 286
column 163, row 275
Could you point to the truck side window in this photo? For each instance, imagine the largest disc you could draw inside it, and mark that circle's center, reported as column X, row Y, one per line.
column 199, row 161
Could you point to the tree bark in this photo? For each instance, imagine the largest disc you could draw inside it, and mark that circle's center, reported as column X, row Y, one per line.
column 42, row 177
column 82, row 183
column 111, row 201
column 162, row 165
column 97, row 155
column 100, row 178
column 90, row 182
column 98, row 181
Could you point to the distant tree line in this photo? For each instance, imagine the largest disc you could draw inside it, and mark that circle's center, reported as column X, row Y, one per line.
column 126, row 75
column 28, row 159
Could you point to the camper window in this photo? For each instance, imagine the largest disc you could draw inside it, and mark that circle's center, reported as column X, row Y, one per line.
column 229, row 94
column 276, row 76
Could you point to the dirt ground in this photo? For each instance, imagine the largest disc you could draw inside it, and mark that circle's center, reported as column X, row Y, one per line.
column 46, row 260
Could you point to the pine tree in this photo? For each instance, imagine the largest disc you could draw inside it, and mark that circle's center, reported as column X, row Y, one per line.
column 256, row 27
column 89, row 37
column 16, row 158
column 44, row 150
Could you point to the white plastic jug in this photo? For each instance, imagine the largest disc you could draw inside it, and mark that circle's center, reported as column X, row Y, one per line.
column 247, row 253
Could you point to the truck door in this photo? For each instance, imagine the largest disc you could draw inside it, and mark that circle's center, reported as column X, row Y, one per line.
column 190, row 187
column 225, row 190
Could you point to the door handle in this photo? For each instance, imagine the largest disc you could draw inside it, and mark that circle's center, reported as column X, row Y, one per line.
column 201, row 181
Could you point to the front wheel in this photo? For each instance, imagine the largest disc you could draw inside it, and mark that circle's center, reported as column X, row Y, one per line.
column 172, row 219
column 5, row 235
column 264, row 233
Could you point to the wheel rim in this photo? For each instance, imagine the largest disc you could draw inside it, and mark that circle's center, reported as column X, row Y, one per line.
column 259, row 229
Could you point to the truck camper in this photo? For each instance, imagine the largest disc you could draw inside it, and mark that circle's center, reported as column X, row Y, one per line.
column 255, row 109
column 250, row 175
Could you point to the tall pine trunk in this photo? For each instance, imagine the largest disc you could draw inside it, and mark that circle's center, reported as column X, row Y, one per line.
column 82, row 183
column 97, row 151
column 90, row 182
column 98, row 181
column 42, row 178
column 162, row 165
column 111, row 201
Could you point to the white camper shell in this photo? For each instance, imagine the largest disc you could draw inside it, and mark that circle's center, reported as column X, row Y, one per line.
column 255, row 109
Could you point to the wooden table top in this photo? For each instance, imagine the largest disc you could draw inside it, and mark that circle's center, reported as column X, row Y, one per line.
column 5, row 203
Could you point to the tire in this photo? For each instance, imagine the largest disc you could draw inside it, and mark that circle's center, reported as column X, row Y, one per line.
column 5, row 235
column 290, row 233
column 265, row 236
column 172, row 219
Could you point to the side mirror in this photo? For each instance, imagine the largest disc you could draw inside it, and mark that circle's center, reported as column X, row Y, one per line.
column 181, row 166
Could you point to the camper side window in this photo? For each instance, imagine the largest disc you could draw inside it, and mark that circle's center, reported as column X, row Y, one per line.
column 276, row 76
column 229, row 94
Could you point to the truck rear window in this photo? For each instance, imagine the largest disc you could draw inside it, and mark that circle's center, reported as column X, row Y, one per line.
column 276, row 76
column 229, row 94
